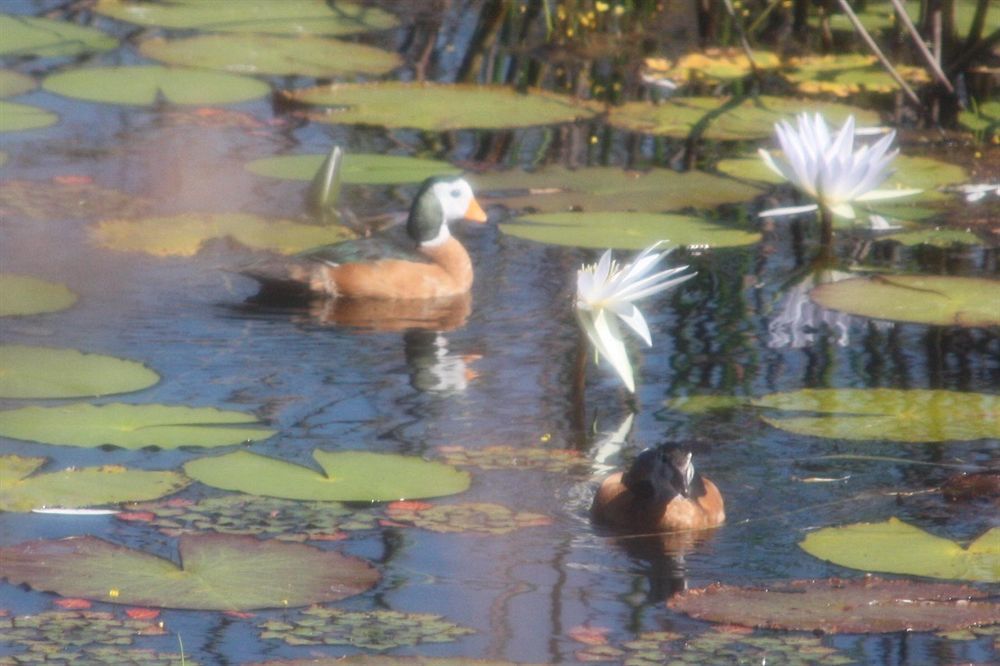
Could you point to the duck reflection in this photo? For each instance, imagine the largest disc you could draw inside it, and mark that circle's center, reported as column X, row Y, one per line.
column 433, row 368
column 429, row 314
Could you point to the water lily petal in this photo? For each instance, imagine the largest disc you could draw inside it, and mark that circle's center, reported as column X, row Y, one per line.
column 843, row 209
column 637, row 323
column 605, row 335
column 788, row 210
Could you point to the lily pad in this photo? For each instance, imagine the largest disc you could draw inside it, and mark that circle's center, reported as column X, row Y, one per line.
column 131, row 426
column 626, row 231
column 14, row 83
column 356, row 169
column 263, row 54
column 835, row 606
column 703, row 404
column 934, row 237
column 726, row 119
column 849, row 74
column 40, row 372
column 559, row 461
column 31, row 36
column 25, row 295
column 73, row 487
column 183, row 235
column 438, row 107
column 145, row 85
column 886, row 414
column 217, row 572
column 371, row 630
column 480, row 517
column 67, row 199
column 712, row 64
column 984, row 119
column 348, row 476
column 288, row 17
column 935, row 300
column 16, row 117
column 899, row 548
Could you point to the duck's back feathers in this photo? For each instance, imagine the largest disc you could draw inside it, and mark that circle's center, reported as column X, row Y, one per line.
column 365, row 250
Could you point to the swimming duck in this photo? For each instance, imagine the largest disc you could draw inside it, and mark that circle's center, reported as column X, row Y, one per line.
column 431, row 264
column 660, row 491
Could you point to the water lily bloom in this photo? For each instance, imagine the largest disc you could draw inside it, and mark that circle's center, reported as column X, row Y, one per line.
column 605, row 293
column 828, row 169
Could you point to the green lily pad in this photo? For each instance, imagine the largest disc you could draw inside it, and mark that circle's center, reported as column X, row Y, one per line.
column 40, row 372
column 371, row 630
column 30, row 36
column 25, row 295
column 934, row 237
column 845, row 75
column 559, row 461
column 702, row 404
column 751, row 118
column 16, row 117
column 131, row 426
column 348, row 476
column 217, row 572
column 264, row 54
column 886, row 414
column 438, row 107
column 14, row 83
column 144, row 85
column 480, row 517
column 288, row 17
column 67, row 199
column 836, row 606
column 611, row 189
column 73, row 487
column 356, row 169
column 935, row 300
column 626, row 231
column 879, row 15
column 183, row 235
column 899, row 548
column 713, row 64
column 984, row 119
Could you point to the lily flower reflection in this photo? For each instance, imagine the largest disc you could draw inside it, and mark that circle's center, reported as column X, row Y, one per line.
column 605, row 292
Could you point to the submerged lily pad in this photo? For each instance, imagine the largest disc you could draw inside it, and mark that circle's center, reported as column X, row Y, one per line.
column 41, row 372
column 67, row 199
column 217, row 572
column 935, row 300
column 14, row 83
column 263, row 54
column 371, row 630
column 288, row 17
column 183, row 235
column 356, row 168
column 886, row 414
column 131, row 426
column 626, row 231
column 31, row 36
column 74, row 487
column 16, row 117
column 438, row 107
column 899, row 548
column 839, row 606
column 358, row 476
column 25, row 295
column 515, row 457
column 144, row 85
column 478, row 517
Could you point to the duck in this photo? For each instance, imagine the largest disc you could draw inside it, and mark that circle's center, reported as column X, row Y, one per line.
column 660, row 491
column 429, row 264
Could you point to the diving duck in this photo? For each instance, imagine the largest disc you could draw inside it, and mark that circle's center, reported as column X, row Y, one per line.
column 432, row 264
column 660, row 491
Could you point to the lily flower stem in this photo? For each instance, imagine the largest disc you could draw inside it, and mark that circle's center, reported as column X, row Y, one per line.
column 826, row 227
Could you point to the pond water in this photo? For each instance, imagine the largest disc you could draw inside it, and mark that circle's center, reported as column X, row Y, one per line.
column 510, row 375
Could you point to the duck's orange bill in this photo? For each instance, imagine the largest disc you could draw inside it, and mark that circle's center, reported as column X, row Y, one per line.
column 475, row 212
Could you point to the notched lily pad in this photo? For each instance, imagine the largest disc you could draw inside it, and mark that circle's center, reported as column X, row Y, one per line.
column 144, row 85
column 22, row 490
column 16, row 117
column 559, row 461
column 41, row 372
column 32, row 36
column 897, row 547
column 356, row 168
column 358, row 476
column 371, row 630
column 478, row 517
column 835, row 606
column 66, row 199
column 25, row 295
column 217, row 572
column 131, row 426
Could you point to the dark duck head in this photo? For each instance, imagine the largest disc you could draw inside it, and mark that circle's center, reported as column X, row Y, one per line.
column 441, row 200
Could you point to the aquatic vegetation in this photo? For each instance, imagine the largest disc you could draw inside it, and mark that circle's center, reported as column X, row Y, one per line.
column 47, row 38
column 69, row 198
column 42, row 372
column 14, row 83
column 26, row 295
column 559, row 461
column 356, row 169
column 473, row 517
column 145, row 85
column 15, row 117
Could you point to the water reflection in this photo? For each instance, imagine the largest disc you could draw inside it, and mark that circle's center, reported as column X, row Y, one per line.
column 798, row 319
column 432, row 367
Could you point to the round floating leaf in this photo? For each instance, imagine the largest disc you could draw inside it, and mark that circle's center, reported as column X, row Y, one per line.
column 471, row 517
column 515, row 457
column 713, row 64
column 40, row 372
column 899, row 548
column 839, row 606
column 849, row 74
column 984, row 119
column 24, row 295
column 217, row 572
column 144, row 85
column 934, row 237
column 727, row 119
column 16, row 117
column 183, row 235
column 30, row 36
column 357, row 476
column 936, row 300
column 288, row 17
column 67, row 199
column 131, row 426
column 703, row 404
column 886, row 414
column 262, row 54
column 626, row 231
column 14, row 83
column 357, row 168
column 71, row 488
column 438, row 107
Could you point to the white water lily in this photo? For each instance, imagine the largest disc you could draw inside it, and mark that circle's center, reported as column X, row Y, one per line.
column 828, row 169
column 605, row 293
